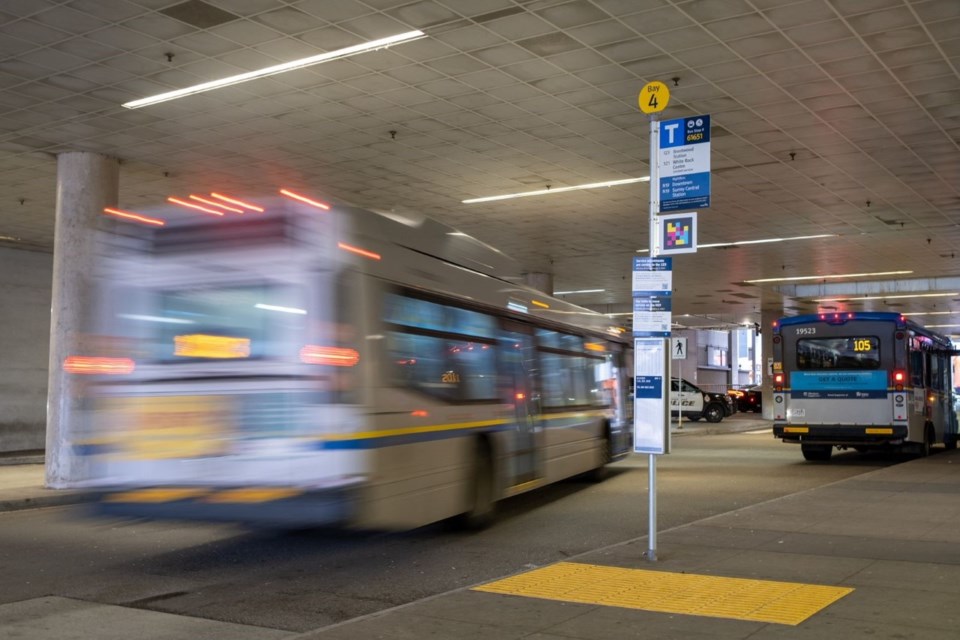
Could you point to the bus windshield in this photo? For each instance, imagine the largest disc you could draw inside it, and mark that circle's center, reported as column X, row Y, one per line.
column 217, row 323
column 854, row 352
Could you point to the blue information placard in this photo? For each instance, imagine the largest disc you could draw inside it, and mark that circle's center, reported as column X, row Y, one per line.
column 648, row 387
column 814, row 385
column 684, row 163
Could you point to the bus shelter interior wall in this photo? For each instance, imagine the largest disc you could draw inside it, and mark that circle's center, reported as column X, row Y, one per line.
column 25, row 285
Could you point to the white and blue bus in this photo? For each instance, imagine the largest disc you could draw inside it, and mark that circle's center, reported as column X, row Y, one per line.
column 283, row 360
column 861, row 380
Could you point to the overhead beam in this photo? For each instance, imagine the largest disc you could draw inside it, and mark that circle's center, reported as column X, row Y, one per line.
column 871, row 288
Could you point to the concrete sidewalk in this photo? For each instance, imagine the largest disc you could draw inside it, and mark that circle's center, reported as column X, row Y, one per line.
column 887, row 541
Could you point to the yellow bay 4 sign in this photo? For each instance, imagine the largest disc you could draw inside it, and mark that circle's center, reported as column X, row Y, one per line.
column 654, row 97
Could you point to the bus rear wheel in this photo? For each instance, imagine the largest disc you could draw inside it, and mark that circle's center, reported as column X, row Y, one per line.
column 600, row 473
column 481, row 491
column 928, row 437
column 816, row 452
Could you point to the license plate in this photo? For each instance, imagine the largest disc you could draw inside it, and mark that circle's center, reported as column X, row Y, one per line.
column 174, row 427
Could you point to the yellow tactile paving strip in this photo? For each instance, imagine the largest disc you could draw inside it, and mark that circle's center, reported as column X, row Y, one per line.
column 682, row 593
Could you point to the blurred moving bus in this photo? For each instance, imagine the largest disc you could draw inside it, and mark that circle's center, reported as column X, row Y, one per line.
column 861, row 380
column 291, row 362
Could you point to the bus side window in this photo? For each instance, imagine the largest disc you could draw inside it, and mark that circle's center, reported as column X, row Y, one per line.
column 936, row 371
column 916, row 368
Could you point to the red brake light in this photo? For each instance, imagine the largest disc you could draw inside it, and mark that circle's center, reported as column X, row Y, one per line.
column 89, row 365
column 778, row 381
column 899, row 378
column 333, row 356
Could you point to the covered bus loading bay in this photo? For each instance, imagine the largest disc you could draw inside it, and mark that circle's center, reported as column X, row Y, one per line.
column 835, row 144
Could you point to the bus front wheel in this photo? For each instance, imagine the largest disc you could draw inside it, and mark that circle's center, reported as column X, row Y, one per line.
column 816, row 452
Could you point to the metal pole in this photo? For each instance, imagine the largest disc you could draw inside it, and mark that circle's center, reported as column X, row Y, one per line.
column 652, row 538
column 655, row 251
column 679, row 389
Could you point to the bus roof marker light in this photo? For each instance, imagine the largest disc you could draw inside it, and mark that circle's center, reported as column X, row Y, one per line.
column 127, row 215
column 305, row 200
column 239, row 203
column 277, row 68
column 215, row 204
column 190, row 205
column 358, row 251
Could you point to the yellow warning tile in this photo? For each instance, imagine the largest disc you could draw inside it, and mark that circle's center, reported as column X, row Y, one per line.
column 682, row 593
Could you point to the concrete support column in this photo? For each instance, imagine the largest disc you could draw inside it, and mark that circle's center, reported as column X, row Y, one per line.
column 767, row 318
column 539, row 281
column 86, row 183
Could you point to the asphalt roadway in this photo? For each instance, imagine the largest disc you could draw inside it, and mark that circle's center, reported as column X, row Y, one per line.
column 884, row 533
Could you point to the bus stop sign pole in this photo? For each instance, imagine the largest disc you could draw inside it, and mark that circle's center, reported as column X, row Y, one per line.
column 653, row 99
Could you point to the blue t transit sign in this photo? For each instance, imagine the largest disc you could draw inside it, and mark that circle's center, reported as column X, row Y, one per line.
column 684, row 163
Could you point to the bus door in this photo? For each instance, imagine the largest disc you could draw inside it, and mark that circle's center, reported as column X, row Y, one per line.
column 520, row 389
column 939, row 397
column 953, row 388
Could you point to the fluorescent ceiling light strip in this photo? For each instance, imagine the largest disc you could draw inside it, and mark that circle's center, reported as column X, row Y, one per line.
column 896, row 297
column 275, row 69
column 929, row 313
column 941, row 326
column 764, row 241
column 543, row 192
column 839, row 275
column 564, row 293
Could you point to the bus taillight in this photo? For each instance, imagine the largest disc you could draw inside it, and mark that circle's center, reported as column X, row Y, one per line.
column 90, row 365
column 778, row 382
column 333, row 356
column 899, row 376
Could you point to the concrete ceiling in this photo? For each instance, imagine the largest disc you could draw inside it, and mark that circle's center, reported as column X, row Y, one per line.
column 829, row 117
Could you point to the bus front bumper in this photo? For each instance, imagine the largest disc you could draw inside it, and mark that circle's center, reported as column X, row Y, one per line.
column 841, row 434
column 267, row 506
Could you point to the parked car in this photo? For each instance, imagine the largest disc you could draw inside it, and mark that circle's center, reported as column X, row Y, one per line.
column 749, row 399
column 693, row 403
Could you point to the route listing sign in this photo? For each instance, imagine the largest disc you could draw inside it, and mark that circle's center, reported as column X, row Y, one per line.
column 651, row 433
column 684, row 163
column 652, row 297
